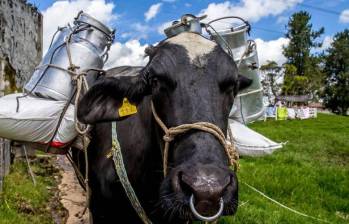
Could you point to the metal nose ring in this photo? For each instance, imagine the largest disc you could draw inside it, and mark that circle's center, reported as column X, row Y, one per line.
column 204, row 218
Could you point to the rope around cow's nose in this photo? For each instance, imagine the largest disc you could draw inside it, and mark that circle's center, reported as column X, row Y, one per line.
column 171, row 133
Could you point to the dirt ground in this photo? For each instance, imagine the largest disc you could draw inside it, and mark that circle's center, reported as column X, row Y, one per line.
column 71, row 195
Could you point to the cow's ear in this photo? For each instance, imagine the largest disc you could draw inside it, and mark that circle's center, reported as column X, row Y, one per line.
column 243, row 82
column 111, row 99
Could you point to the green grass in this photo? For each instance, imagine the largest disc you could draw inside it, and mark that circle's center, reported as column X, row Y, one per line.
column 22, row 202
column 310, row 174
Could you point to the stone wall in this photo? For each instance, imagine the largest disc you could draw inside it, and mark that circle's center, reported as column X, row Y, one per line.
column 20, row 43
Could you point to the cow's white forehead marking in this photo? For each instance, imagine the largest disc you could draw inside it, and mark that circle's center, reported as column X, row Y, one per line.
column 196, row 45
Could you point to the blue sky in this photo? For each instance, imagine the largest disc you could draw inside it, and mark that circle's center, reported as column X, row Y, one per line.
column 268, row 19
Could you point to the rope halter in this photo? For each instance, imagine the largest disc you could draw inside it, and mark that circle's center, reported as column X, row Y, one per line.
column 171, row 133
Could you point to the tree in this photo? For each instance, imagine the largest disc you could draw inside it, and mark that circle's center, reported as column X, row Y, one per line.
column 294, row 84
column 271, row 75
column 298, row 53
column 336, row 92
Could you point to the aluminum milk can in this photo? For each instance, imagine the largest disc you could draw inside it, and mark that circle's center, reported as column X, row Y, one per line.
column 236, row 38
column 248, row 105
column 188, row 23
column 89, row 43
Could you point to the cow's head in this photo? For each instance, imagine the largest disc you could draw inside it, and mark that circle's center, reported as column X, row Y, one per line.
column 190, row 79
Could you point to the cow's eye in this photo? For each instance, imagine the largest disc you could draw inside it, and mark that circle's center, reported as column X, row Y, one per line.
column 158, row 85
column 163, row 82
column 227, row 86
column 154, row 82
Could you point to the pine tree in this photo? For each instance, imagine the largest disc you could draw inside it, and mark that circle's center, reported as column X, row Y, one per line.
column 298, row 53
column 336, row 93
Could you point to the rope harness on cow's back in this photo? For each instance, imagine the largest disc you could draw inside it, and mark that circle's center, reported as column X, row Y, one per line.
column 170, row 134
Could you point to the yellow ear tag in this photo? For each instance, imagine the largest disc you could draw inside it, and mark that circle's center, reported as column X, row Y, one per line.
column 127, row 108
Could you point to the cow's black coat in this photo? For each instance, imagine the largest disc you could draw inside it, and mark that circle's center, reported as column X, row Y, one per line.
column 182, row 92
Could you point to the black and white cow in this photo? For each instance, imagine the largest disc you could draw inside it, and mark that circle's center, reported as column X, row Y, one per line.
column 190, row 79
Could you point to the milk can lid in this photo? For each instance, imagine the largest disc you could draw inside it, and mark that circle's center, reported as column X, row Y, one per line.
column 86, row 18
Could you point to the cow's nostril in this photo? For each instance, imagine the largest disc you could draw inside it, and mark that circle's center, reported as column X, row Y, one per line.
column 207, row 188
column 185, row 187
column 179, row 185
column 207, row 184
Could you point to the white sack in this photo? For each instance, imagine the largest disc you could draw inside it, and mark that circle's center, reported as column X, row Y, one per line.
column 251, row 143
column 313, row 112
column 36, row 120
column 270, row 112
column 291, row 113
column 304, row 113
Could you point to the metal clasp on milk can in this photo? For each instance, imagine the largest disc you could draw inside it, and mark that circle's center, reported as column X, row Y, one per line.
column 85, row 46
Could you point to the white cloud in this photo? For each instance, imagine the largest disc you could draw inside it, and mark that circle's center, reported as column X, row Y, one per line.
column 137, row 31
column 344, row 17
column 60, row 13
column 271, row 50
column 251, row 10
column 141, row 31
column 152, row 11
column 130, row 53
column 328, row 40
column 282, row 19
column 164, row 26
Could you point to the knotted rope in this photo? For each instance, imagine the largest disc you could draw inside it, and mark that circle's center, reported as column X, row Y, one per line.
column 80, row 81
column 171, row 133
column 81, row 86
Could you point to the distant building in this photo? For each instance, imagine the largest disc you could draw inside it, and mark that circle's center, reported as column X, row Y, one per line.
column 20, row 43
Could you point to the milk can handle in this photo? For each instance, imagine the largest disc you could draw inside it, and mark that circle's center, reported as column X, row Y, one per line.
column 233, row 17
column 59, row 29
column 105, row 54
column 184, row 19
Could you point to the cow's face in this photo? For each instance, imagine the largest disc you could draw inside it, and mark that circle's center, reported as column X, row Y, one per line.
column 191, row 79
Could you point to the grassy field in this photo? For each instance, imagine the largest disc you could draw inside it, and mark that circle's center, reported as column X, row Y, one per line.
column 310, row 174
column 22, row 202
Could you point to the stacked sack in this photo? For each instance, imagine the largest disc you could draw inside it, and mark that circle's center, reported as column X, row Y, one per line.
column 44, row 114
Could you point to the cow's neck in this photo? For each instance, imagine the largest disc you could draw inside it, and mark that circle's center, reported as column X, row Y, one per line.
column 142, row 154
